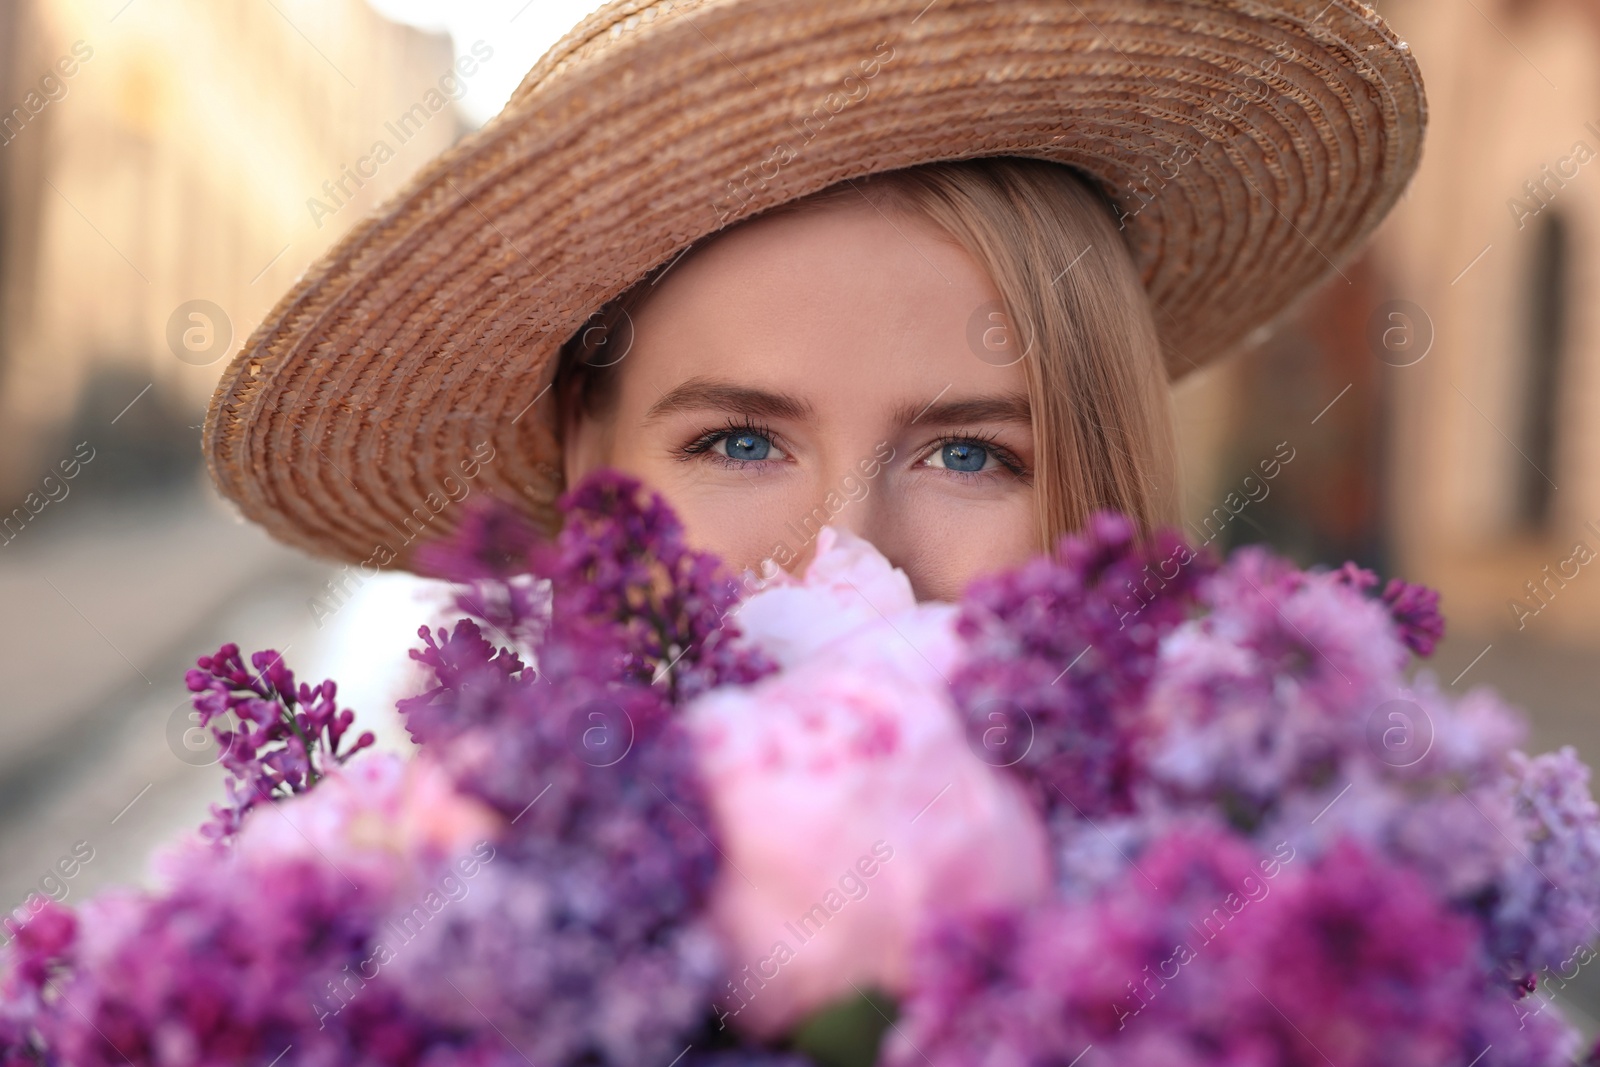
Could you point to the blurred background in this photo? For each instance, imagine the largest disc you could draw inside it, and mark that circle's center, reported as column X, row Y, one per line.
column 168, row 167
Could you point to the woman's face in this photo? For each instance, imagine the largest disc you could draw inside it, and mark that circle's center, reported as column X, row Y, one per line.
column 814, row 369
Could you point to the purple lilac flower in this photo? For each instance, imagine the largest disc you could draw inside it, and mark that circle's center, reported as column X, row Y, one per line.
column 745, row 1058
column 1414, row 608
column 1062, row 650
column 1549, row 905
column 225, row 965
column 1442, row 804
column 583, row 943
column 586, row 943
column 1271, row 692
column 27, row 970
column 472, row 679
column 1245, row 728
column 1257, row 880
column 286, row 736
column 542, row 948
column 620, row 573
column 1209, row 952
column 1426, row 783
column 488, row 558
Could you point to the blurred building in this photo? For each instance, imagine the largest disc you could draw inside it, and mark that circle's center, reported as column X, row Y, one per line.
column 1496, row 484
column 167, row 168
column 1461, row 355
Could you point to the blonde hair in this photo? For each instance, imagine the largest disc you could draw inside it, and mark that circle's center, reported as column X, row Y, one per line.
column 1103, row 419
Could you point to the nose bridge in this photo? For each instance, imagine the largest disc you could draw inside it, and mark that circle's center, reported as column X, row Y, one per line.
column 846, row 497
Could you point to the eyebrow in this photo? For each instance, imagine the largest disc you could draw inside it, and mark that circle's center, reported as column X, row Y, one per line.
column 1008, row 407
column 702, row 393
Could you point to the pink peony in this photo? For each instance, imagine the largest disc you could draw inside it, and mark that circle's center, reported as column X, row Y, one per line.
column 850, row 808
column 849, row 589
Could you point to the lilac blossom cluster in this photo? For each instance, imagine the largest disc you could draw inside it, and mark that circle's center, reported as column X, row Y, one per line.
column 323, row 938
column 286, row 736
column 1260, row 832
column 587, row 944
column 1062, row 651
column 1305, row 855
column 619, row 575
column 228, row 958
column 1209, row 953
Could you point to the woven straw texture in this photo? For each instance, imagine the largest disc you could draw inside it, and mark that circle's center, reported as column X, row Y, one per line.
column 1251, row 145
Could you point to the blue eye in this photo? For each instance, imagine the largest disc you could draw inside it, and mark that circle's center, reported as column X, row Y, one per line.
column 746, row 445
column 963, row 456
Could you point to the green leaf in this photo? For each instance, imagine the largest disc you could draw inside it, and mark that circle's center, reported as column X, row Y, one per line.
column 848, row 1032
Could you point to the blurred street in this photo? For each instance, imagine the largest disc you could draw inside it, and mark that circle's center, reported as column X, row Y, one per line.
column 108, row 607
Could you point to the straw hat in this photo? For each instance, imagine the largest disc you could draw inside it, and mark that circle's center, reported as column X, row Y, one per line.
column 1250, row 144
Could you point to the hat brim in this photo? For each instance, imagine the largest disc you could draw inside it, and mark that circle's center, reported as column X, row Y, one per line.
column 1250, row 146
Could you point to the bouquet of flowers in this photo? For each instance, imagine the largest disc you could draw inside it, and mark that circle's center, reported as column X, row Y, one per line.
column 1125, row 804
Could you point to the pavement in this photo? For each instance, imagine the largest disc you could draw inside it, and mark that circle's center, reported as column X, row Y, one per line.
column 102, row 617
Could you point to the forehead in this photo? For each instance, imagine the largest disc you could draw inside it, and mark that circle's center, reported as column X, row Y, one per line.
column 838, row 253
column 841, row 298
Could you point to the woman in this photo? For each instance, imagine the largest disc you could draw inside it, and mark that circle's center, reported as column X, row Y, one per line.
column 845, row 360
column 920, row 270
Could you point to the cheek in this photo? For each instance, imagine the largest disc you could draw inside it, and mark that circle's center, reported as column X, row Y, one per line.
column 741, row 529
column 944, row 545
